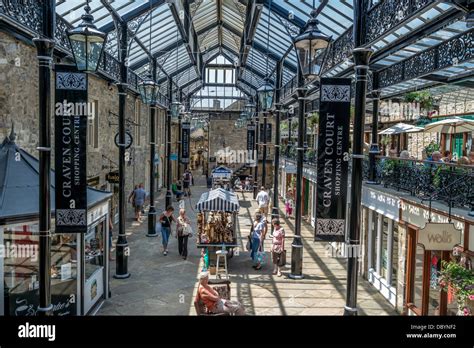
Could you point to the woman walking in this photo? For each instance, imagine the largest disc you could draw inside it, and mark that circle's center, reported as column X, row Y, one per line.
column 257, row 237
column 166, row 218
column 183, row 231
column 278, row 247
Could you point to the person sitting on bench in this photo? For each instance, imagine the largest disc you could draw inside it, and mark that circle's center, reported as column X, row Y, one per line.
column 213, row 302
column 179, row 194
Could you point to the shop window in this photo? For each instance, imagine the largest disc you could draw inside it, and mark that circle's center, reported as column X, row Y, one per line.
column 384, row 255
column 418, row 277
column 94, row 264
column 21, row 271
column 435, row 291
column 395, row 255
column 371, row 235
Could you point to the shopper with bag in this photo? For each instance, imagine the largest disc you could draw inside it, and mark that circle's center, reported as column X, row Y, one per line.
column 278, row 247
column 183, row 232
column 258, row 234
column 166, row 219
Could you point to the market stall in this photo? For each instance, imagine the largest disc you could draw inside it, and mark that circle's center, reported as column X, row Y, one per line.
column 216, row 221
column 221, row 177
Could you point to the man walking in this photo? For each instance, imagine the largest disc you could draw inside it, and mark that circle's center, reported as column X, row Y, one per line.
column 263, row 200
column 139, row 196
column 187, row 181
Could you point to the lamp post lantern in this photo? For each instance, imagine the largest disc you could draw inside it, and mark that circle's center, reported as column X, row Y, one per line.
column 265, row 96
column 310, row 47
column 87, row 43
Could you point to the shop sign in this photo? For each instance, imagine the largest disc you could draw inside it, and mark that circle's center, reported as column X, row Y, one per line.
column 71, row 150
column 185, row 142
column 333, row 159
column 381, row 203
column 94, row 181
column 439, row 237
column 290, row 169
column 112, row 177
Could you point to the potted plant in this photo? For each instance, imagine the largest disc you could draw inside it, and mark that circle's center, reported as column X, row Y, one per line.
column 461, row 280
column 423, row 98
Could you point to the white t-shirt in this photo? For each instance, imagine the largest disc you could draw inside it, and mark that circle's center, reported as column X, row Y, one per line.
column 263, row 199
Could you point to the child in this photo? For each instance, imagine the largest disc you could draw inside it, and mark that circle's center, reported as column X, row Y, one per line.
column 288, row 208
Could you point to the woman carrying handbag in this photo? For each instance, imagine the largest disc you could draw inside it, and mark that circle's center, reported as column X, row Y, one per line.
column 183, row 232
column 278, row 247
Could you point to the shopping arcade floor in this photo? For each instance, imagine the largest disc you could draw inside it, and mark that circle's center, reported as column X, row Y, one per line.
column 166, row 285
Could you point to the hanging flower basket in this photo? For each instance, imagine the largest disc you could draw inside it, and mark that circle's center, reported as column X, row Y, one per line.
column 461, row 280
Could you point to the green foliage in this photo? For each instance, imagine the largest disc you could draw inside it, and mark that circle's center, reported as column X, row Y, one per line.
column 313, row 120
column 432, row 147
column 388, row 166
column 424, row 98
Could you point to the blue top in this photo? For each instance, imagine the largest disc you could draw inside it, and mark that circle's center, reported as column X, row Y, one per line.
column 140, row 195
column 257, row 230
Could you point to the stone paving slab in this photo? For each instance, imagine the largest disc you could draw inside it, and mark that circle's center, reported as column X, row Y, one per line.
column 166, row 285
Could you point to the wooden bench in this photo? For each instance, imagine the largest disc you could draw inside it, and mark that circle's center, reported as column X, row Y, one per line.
column 222, row 287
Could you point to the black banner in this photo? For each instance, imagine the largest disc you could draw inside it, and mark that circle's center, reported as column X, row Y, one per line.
column 251, row 129
column 269, row 133
column 71, row 117
column 185, row 142
column 333, row 159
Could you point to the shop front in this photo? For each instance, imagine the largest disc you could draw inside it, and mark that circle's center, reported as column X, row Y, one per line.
column 382, row 244
column 309, row 194
column 429, row 244
column 79, row 262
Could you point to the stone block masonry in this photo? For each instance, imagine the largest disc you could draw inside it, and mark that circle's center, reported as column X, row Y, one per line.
column 19, row 105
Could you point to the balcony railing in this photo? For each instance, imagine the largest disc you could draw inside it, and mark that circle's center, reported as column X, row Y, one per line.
column 450, row 183
column 290, row 152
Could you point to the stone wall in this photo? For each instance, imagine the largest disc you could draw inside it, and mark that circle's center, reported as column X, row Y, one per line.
column 19, row 104
column 224, row 134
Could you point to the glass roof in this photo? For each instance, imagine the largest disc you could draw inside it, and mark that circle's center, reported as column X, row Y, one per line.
column 220, row 27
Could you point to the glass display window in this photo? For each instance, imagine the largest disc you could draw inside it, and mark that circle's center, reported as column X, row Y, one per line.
column 94, row 264
column 395, row 255
column 418, row 277
column 21, row 271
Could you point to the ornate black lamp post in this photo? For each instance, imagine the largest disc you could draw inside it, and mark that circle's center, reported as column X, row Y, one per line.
column 265, row 98
column 45, row 46
column 149, row 92
column 362, row 57
column 173, row 112
column 276, row 165
column 310, row 47
column 374, row 147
